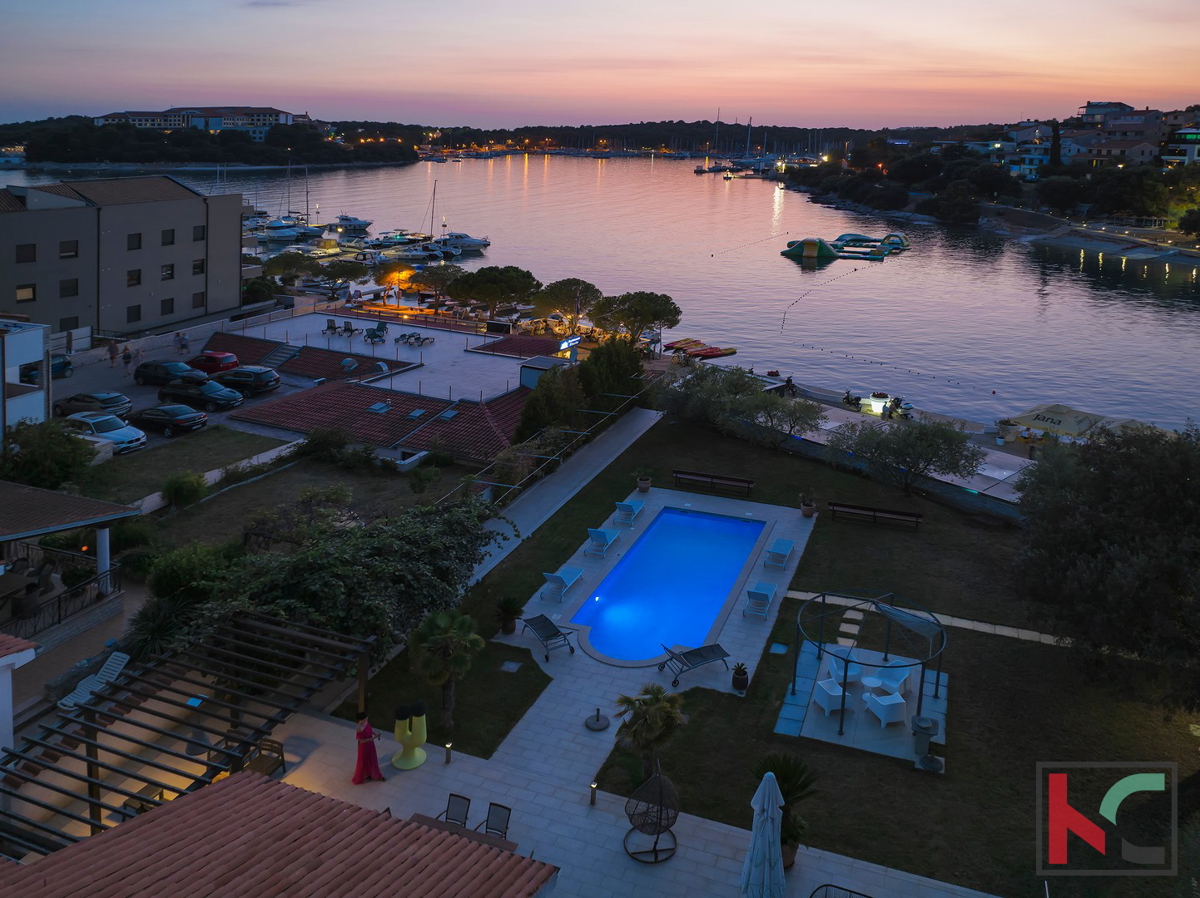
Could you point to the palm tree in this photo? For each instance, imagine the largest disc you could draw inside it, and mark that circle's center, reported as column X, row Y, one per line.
column 653, row 716
column 442, row 646
column 796, row 783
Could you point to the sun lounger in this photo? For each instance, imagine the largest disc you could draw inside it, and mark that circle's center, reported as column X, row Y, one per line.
column 758, row 599
column 693, row 658
column 112, row 667
column 779, row 552
column 548, row 633
column 628, row 511
column 557, row 584
column 83, row 691
column 601, row 539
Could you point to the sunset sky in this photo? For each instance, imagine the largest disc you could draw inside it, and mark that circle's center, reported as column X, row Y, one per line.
column 864, row 64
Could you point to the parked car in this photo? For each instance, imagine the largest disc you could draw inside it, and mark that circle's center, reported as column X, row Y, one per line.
column 101, row 425
column 211, row 362
column 60, row 366
column 163, row 371
column 169, row 420
column 209, row 396
column 249, row 380
column 110, row 403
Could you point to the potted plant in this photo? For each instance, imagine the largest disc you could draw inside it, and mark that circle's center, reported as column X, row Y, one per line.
column 796, row 783
column 808, row 505
column 644, row 476
column 741, row 677
column 508, row 609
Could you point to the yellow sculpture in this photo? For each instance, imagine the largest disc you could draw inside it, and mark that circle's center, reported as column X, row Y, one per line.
column 410, row 733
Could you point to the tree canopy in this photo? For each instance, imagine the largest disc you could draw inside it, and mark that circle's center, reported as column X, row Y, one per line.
column 906, row 451
column 636, row 312
column 44, row 454
column 494, row 286
column 572, row 298
column 438, row 277
column 1111, row 548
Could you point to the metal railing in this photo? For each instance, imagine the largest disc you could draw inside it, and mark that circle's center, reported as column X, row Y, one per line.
column 65, row 605
column 37, row 555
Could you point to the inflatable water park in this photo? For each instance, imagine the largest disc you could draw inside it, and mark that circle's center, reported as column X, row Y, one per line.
column 847, row 246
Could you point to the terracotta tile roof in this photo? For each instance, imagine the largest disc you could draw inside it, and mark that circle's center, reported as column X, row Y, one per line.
column 11, row 203
column 11, row 645
column 476, row 432
column 117, row 191
column 28, row 511
column 58, row 190
column 249, row 835
column 311, row 362
column 523, row 347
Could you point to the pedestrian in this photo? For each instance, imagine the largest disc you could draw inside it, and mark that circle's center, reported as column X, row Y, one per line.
column 367, row 767
column 127, row 358
column 789, row 386
column 70, row 342
column 183, row 343
column 141, row 355
column 113, row 352
column 179, row 342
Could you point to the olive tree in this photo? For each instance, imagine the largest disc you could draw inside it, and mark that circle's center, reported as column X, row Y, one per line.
column 906, row 451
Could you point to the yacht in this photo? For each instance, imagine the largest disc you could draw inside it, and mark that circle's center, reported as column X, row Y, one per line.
column 465, row 242
column 348, row 224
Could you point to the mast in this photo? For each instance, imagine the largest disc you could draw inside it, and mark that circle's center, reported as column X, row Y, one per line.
column 716, row 131
column 748, row 126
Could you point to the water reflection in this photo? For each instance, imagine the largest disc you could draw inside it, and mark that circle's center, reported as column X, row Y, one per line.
column 1175, row 283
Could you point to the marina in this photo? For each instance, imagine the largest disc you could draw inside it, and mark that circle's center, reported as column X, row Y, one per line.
column 1092, row 329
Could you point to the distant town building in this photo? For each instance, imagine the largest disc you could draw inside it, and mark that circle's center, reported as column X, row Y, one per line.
column 1094, row 113
column 1182, row 147
column 254, row 120
column 121, row 255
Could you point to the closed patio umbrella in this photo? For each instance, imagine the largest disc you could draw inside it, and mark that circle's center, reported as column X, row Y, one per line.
column 762, row 873
column 1058, row 419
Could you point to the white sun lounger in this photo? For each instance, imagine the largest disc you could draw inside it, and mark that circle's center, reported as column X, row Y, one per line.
column 557, row 584
column 779, row 552
column 601, row 539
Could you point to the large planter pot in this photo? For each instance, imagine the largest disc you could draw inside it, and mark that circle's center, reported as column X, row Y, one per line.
column 789, row 855
column 741, row 681
column 508, row 627
column 808, row 510
column 643, row 484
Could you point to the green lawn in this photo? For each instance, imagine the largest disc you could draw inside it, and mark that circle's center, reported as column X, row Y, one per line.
column 375, row 493
column 127, row 478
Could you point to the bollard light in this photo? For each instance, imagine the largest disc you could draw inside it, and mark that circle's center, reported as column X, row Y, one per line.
column 592, row 799
column 448, row 746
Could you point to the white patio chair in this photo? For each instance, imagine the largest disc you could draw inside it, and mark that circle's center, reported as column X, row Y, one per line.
column 893, row 678
column 842, row 664
column 888, row 708
column 828, row 696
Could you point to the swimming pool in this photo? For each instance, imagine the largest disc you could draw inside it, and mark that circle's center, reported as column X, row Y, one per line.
column 670, row 586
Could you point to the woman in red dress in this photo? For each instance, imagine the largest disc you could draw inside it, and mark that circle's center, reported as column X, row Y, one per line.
column 368, row 761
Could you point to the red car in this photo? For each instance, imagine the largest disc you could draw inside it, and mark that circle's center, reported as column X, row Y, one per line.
column 214, row 362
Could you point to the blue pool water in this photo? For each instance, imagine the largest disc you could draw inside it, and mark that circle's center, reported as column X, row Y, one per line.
column 669, row 587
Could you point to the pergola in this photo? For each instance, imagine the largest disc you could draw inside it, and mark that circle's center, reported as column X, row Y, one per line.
column 166, row 727
column 911, row 631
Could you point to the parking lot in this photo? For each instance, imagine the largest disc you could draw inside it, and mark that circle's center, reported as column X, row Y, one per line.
column 100, row 376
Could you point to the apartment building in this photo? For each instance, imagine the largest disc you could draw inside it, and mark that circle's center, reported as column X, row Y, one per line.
column 254, row 120
column 121, row 255
column 1182, row 147
column 23, row 343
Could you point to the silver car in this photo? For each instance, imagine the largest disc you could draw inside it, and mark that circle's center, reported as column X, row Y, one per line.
column 124, row 437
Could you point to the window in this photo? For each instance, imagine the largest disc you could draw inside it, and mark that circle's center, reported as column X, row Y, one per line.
column 68, row 324
column 198, row 300
column 68, row 249
column 133, row 314
column 166, row 307
column 168, row 273
column 68, row 287
column 26, row 252
column 197, row 266
column 198, row 233
column 133, row 277
column 26, row 292
column 133, row 241
column 168, row 237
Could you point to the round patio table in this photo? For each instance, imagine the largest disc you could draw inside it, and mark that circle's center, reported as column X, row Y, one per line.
column 872, row 682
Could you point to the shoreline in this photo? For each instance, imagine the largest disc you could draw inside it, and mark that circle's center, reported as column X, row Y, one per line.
column 193, row 166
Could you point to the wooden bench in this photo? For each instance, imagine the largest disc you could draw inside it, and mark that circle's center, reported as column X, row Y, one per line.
column 874, row 515
column 712, row 481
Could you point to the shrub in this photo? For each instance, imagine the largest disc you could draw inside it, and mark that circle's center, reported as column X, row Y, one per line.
column 325, row 444
column 183, row 489
column 420, row 479
column 131, row 533
column 138, row 562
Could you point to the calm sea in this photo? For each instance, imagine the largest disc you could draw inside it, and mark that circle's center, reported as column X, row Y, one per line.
column 965, row 322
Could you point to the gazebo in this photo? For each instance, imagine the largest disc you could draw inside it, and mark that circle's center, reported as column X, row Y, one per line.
column 887, row 646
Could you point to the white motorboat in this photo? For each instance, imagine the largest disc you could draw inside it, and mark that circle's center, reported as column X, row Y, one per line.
column 348, row 224
column 465, row 242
